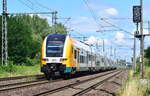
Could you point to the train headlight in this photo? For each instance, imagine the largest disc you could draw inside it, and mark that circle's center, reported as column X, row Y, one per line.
column 63, row 59
column 45, row 59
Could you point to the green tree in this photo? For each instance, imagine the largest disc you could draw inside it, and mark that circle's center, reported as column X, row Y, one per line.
column 25, row 34
column 147, row 56
column 147, row 53
column 0, row 37
column 20, row 41
column 60, row 28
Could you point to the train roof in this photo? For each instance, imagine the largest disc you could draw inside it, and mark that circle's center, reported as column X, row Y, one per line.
column 77, row 44
column 81, row 45
column 57, row 37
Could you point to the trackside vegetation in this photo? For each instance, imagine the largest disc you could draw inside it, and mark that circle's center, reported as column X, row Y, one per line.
column 19, row 70
column 25, row 35
column 135, row 86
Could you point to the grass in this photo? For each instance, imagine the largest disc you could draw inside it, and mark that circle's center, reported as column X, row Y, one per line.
column 14, row 70
column 134, row 86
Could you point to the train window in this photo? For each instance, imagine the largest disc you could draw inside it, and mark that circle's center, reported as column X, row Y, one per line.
column 75, row 54
column 82, row 59
column 78, row 58
column 97, row 62
column 90, row 57
column 54, row 48
column 87, row 58
column 102, row 59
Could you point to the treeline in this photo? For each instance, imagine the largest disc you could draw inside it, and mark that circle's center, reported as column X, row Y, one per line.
column 25, row 34
column 147, row 56
column 146, row 59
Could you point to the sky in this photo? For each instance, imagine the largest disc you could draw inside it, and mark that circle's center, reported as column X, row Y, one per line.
column 86, row 20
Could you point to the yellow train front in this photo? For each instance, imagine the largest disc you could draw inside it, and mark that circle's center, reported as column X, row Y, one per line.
column 63, row 55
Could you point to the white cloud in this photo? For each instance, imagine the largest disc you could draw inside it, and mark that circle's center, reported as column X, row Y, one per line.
column 119, row 38
column 111, row 11
column 45, row 17
column 145, row 31
column 97, row 6
column 93, row 40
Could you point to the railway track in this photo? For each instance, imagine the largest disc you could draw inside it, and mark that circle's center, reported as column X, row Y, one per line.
column 16, row 86
column 13, row 82
column 94, row 86
column 22, row 77
column 78, row 83
column 58, row 86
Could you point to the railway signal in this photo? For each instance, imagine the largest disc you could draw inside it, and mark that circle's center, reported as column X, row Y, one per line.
column 137, row 14
column 138, row 18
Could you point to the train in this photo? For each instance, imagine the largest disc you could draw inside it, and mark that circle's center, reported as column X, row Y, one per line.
column 64, row 55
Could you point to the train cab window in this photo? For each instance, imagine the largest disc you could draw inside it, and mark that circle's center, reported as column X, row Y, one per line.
column 54, row 48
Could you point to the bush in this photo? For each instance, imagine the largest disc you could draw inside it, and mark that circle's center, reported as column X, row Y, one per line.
column 31, row 62
column 8, row 68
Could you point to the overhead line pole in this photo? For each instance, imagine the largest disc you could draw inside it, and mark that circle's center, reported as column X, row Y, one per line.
column 134, row 54
column 4, row 33
column 148, row 27
column 54, row 22
column 142, row 41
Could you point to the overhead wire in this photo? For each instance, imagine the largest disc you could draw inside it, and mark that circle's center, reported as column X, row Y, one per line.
column 117, row 27
column 113, row 25
column 68, row 19
column 27, row 5
column 36, row 3
column 43, row 6
column 95, row 19
column 93, row 14
column 117, row 18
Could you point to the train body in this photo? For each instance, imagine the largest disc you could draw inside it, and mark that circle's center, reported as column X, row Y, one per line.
column 61, row 54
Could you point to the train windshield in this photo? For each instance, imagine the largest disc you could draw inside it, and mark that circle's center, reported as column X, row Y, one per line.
column 55, row 49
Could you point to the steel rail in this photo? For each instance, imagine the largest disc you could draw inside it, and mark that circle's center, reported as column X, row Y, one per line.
column 20, row 83
column 29, row 85
column 21, row 77
column 70, row 85
column 95, row 85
